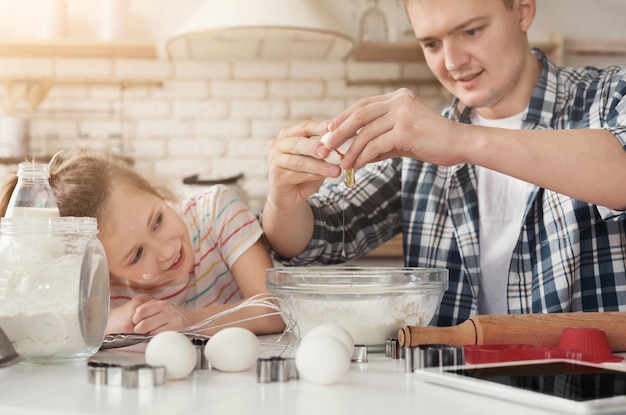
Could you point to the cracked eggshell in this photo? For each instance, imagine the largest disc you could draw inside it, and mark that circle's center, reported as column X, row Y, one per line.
column 333, row 157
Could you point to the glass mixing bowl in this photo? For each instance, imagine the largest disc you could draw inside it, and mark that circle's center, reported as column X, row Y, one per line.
column 372, row 303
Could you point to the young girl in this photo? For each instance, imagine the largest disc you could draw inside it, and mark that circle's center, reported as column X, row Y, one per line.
column 171, row 266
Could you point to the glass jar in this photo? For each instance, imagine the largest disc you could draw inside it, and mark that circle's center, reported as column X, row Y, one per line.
column 54, row 287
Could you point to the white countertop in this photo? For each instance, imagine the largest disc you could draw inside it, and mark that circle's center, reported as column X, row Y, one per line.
column 377, row 387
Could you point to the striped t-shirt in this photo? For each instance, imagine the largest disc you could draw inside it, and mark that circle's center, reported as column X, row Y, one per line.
column 221, row 228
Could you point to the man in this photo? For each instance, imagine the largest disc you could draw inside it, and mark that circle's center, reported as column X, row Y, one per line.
column 517, row 188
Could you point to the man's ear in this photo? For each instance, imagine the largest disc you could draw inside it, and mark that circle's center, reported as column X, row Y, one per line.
column 526, row 10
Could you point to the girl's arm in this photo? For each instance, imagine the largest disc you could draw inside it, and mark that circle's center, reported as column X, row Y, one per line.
column 249, row 273
column 155, row 316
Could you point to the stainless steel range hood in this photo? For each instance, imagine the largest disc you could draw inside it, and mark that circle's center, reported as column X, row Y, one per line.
column 260, row 29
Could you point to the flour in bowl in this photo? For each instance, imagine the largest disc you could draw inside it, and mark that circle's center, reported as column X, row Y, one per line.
column 370, row 320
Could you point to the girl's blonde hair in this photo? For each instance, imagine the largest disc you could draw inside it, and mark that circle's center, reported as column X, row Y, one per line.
column 82, row 183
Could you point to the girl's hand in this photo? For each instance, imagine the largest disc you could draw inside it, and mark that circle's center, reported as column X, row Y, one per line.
column 147, row 315
column 121, row 318
column 154, row 316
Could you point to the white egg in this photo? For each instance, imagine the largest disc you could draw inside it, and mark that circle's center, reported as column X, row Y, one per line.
column 334, row 330
column 174, row 351
column 322, row 359
column 334, row 157
column 232, row 349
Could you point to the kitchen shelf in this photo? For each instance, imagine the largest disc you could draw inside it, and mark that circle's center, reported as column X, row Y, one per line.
column 122, row 83
column 411, row 51
column 18, row 160
column 595, row 47
column 45, row 159
column 78, row 48
column 407, row 51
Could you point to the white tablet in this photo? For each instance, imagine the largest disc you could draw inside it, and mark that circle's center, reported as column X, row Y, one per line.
column 566, row 386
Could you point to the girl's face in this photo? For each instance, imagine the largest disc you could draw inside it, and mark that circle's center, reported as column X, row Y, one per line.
column 146, row 241
column 478, row 50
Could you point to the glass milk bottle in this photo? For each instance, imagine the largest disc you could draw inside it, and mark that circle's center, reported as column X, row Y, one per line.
column 54, row 287
column 32, row 195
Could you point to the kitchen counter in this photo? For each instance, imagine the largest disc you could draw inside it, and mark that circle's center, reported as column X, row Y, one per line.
column 377, row 387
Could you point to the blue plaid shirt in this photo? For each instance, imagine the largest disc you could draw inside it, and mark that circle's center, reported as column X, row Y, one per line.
column 567, row 257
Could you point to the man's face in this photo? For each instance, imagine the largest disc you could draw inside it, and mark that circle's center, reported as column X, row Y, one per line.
column 478, row 50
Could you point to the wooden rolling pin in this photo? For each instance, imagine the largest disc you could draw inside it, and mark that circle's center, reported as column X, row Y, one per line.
column 530, row 329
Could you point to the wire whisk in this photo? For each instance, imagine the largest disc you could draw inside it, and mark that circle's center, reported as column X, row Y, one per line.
column 282, row 344
column 278, row 307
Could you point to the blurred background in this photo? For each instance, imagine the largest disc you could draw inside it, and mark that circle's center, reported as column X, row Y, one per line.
column 198, row 87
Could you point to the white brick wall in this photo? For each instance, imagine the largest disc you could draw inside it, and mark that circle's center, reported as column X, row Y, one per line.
column 83, row 68
column 201, row 70
column 212, row 118
column 200, row 108
column 237, row 89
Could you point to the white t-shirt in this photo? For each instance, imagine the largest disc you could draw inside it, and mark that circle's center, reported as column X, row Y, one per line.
column 501, row 205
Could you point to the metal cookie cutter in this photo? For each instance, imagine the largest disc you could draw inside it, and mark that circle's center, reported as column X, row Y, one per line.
column 433, row 355
column 201, row 360
column 276, row 369
column 134, row 376
column 393, row 349
column 360, row 354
